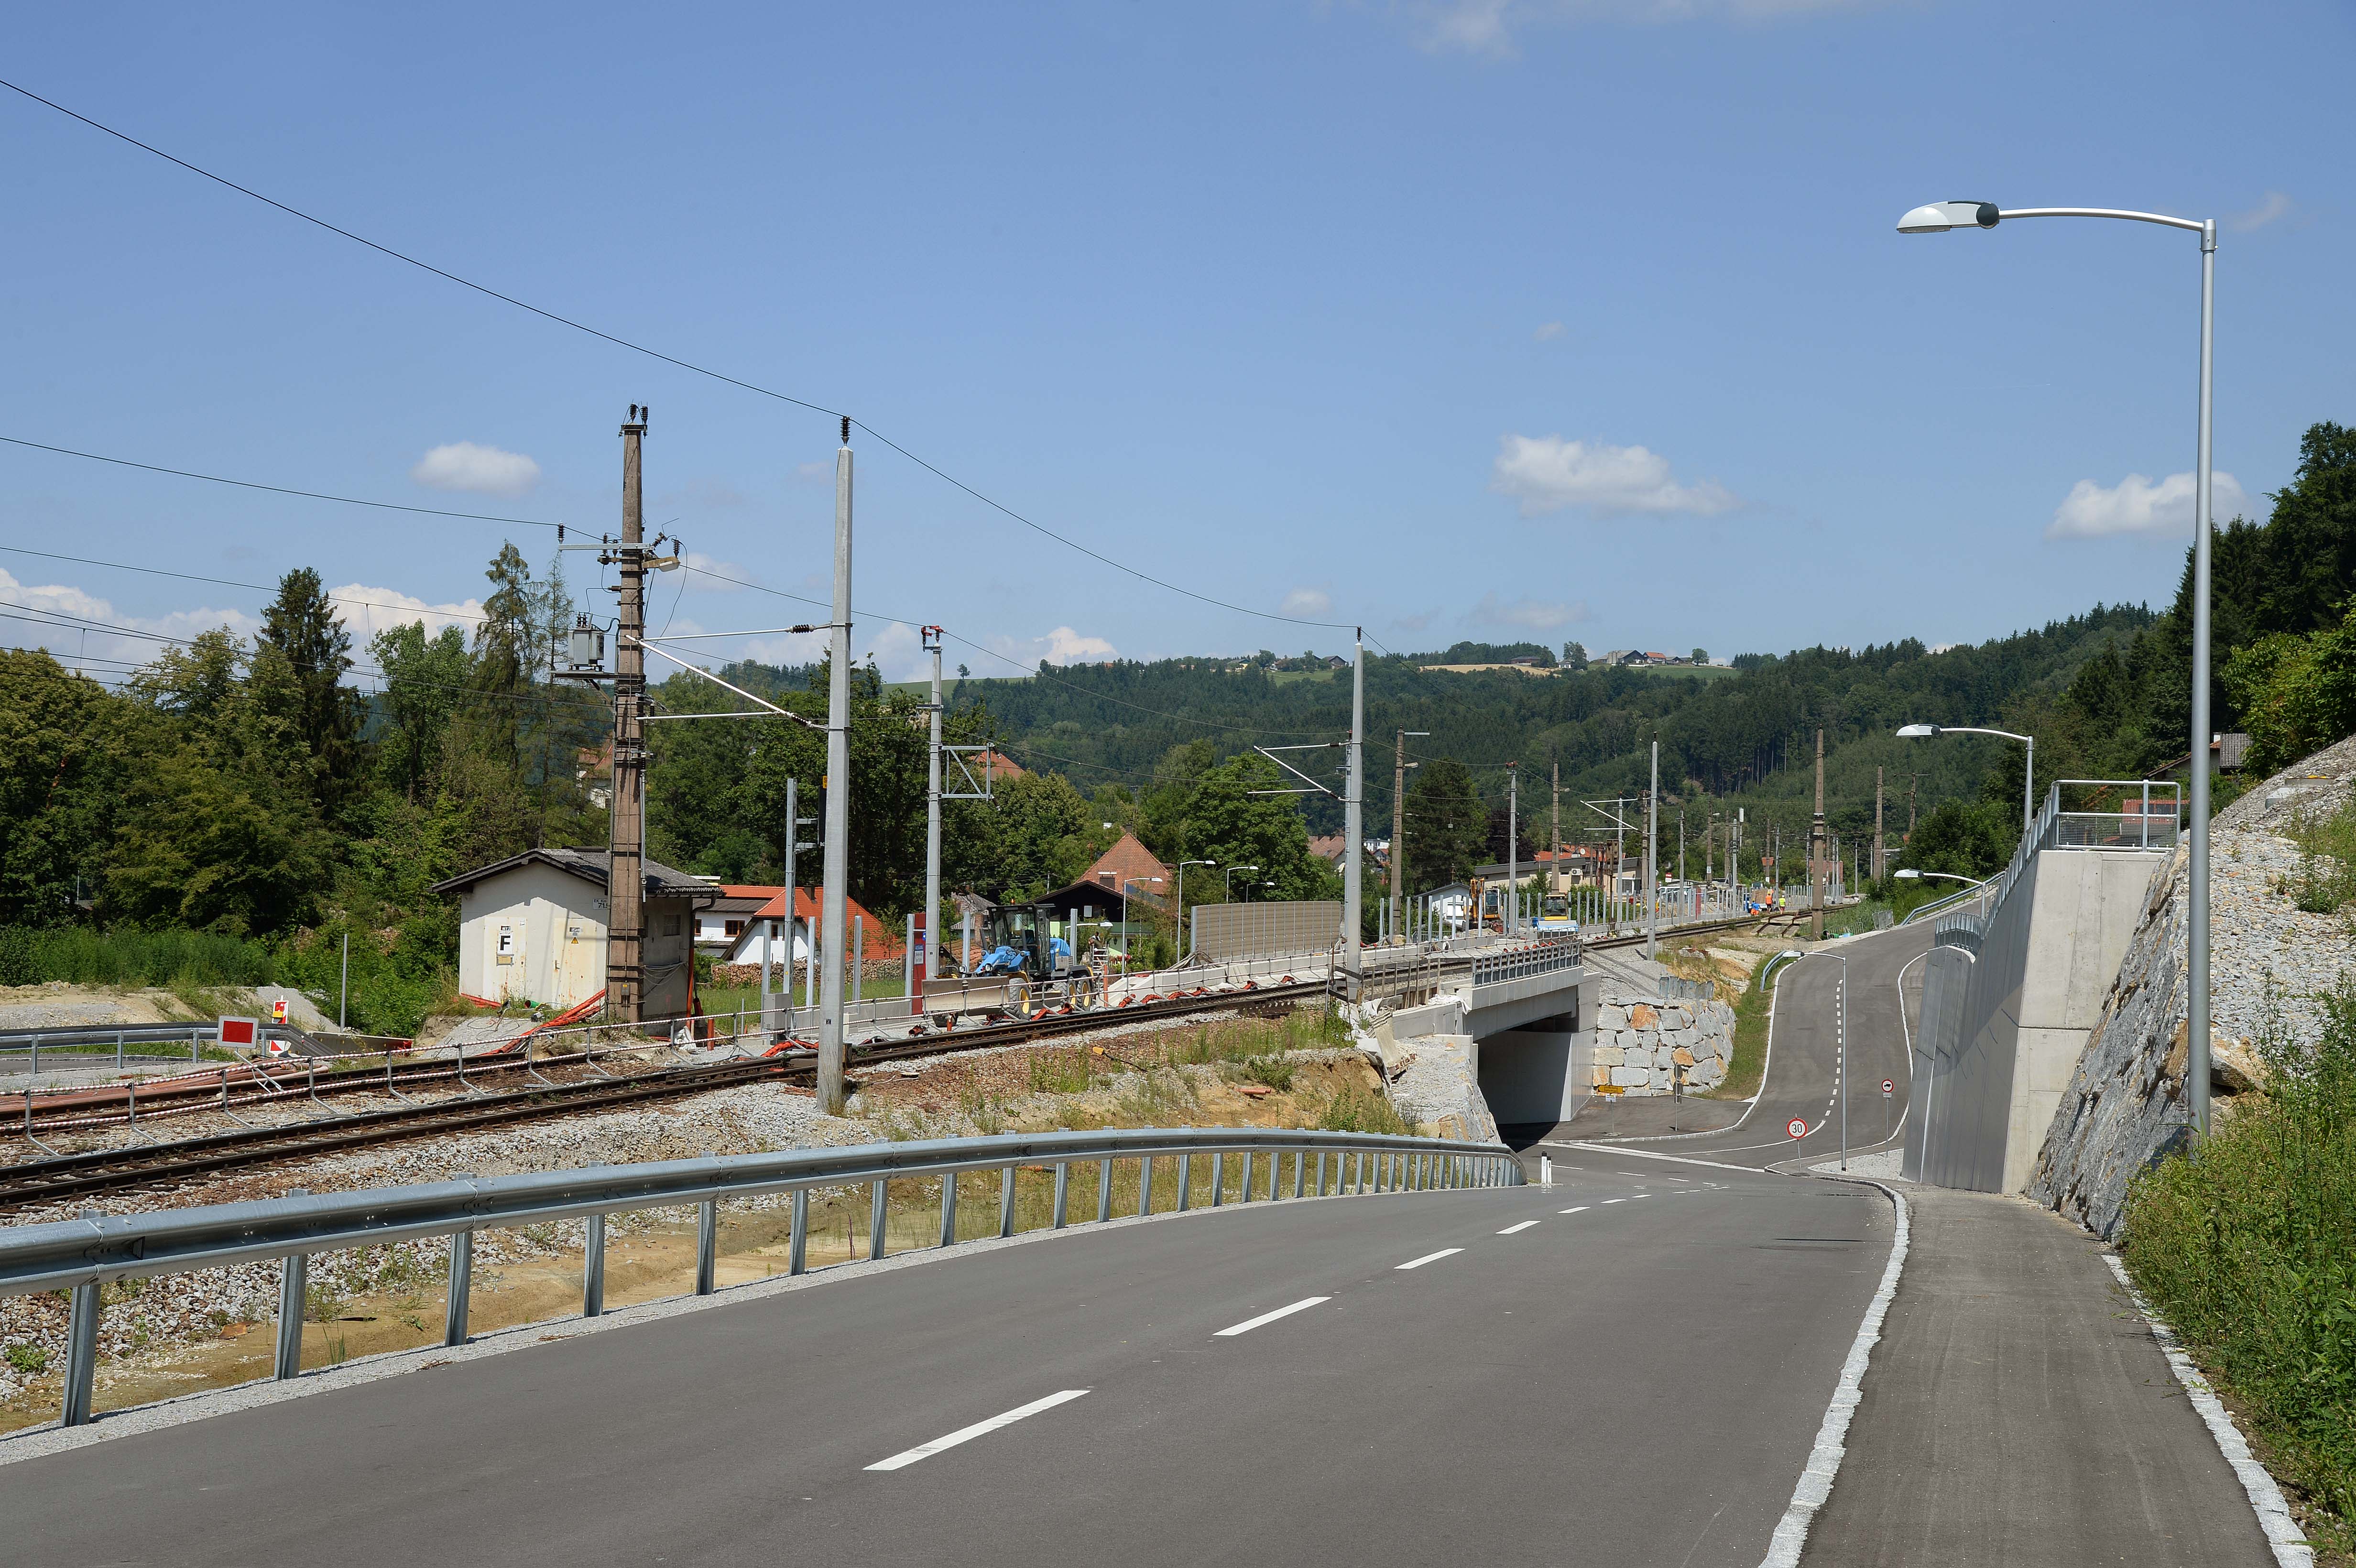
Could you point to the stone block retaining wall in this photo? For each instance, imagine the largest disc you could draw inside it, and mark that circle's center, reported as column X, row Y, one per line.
column 1642, row 1040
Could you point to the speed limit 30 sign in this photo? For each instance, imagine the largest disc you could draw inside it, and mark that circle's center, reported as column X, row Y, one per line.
column 1797, row 1128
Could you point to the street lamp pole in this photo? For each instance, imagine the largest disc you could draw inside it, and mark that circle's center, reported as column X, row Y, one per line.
column 2028, row 769
column 1941, row 216
column 1178, row 908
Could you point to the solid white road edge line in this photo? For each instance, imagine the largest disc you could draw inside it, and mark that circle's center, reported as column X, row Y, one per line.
column 1427, row 1258
column 1648, row 1154
column 1823, row 1459
column 966, row 1434
column 1250, row 1324
column 1511, row 1229
column 2283, row 1534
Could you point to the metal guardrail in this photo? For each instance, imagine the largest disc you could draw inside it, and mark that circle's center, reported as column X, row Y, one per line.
column 79, row 1255
column 1545, row 956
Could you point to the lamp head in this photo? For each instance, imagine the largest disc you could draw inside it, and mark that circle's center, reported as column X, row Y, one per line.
column 1938, row 217
column 1907, row 874
column 1917, row 732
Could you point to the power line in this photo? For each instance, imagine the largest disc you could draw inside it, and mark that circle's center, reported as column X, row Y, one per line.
column 231, row 582
column 273, row 489
column 669, row 359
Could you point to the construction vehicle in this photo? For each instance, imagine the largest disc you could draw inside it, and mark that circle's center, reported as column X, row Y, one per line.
column 1554, row 914
column 1043, row 974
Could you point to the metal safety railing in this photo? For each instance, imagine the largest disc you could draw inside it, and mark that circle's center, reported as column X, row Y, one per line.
column 1546, row 955
column 79, row 1256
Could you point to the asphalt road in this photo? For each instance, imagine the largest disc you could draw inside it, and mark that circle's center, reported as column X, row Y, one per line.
column 1642, row 1378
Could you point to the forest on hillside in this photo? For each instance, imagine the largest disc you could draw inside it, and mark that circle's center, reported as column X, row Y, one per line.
column 276, row 796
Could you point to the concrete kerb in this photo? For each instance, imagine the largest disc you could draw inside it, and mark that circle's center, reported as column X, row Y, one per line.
column 2284, row 1538
column 33, row 1442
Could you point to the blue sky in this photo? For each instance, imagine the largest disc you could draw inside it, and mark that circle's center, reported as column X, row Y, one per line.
column 1503, row 319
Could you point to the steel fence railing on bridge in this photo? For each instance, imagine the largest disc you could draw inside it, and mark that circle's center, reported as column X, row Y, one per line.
column 79, row 1256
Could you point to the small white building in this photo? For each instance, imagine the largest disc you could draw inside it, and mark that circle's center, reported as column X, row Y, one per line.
column 532, row 928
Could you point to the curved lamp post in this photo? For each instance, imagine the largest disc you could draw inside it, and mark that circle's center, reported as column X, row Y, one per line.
column 1231, row 871
column 1909, row 873
column 2028, row 772
column 1937, row 218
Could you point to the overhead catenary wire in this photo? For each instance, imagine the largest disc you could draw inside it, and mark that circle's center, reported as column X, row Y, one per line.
column 687, row 365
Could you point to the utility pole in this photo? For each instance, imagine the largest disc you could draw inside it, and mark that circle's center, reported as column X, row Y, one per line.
column 1913, row 782
column 1354, row 820
column 1817, row 851
column 1880, row 868
column 836, row 785
column 1651, row 858
column 626, row 884
column 1681, row 842
column 932, row 635
column 1554, row 874
column 1509, row 907
column 1398, row 832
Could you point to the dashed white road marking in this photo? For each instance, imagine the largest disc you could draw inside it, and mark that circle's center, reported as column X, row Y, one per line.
column 1249, row 1324
column 1615, row 1201
column 1427, row 1258
column 1510, row 1229
column 1581, row 1210
column 966, row 1434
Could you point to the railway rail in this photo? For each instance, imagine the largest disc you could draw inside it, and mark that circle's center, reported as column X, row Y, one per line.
column 165, row 1166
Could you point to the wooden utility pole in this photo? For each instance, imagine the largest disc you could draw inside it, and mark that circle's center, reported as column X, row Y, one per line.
column 1913, row 784
column 1879, row 871
column 625, row 863
column 1816, row 872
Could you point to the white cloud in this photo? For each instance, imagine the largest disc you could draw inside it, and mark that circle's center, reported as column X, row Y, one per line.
column 47, row 615
column 1414, row 623
column 715, row 576
column 813, row 470
column 1307, row 602
column 2137, row 506
column 1547, row 333
column 1529, row 614
column 1487, row 26
column 466, row 465
column 1547, row 474
column 1061, row 647
column 2276, row 205
column 366, row 610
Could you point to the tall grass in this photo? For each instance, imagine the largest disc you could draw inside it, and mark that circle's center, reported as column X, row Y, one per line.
column 2248, row 1246
column 126, row 956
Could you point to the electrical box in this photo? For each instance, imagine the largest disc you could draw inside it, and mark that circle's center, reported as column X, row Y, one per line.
column 588, row 643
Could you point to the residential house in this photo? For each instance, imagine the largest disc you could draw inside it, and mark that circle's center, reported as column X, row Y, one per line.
column 876, row 939
column 1130, row 864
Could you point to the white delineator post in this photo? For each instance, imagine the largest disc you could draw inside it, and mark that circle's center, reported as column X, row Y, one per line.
column 837, row 797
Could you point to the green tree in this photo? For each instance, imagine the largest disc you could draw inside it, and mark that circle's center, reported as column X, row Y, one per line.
column 426, row 679
column 1447, row 825
column 303, row 628
column 61, row 768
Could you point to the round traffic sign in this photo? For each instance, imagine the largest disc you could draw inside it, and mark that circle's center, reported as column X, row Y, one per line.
column 1887, row 1086
column 1797, row 1127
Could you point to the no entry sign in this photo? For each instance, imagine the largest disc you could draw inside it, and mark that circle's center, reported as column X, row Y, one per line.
column 1797, row 1128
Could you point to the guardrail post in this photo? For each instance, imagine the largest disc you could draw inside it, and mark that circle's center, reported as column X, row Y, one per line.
column 1243, row 1187
column 707, row 1244
column 1274, row 1159
column 1299, row 1170
column 81, row 1354
column 593, row 1269
column 36, row 1068
column 1006, row 1201
column 1145, row 1187
column 1321, row 1173
column 1185, row 1182
column 875, row 1221
column 1062, row 1189
column 1360, row 1174
column 293, row 1274
column 949, row 1208
column 1218, row 1179
column 462, row 1283
column 1104, row 1190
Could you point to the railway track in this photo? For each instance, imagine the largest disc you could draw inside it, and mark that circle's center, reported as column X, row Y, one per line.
column 166, row 1166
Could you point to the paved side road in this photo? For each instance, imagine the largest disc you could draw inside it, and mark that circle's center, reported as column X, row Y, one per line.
column 1477, row 1376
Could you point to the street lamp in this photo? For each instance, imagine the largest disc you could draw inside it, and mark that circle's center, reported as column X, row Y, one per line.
column 1180, row 905
column 1231, row 871
column 1936, row 218
column 2028, row 769
column 1908, row 873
